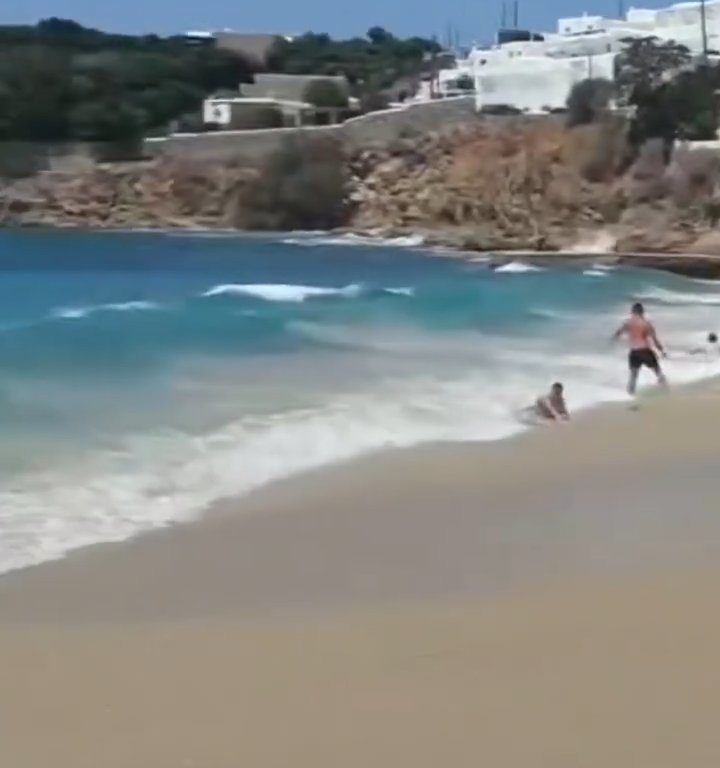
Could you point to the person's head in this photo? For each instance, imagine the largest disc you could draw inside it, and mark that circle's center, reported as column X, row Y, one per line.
column 638, row 309
column 712, row 338
column 557, row 389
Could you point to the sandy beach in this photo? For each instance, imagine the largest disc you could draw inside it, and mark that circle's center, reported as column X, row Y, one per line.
column 549, row 600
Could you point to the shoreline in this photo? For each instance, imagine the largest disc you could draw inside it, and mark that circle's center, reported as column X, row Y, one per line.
column 437, row 243
column 564, row 471
column 589, row 415
column 547, row 600
column 147, row 513
column 317, row 474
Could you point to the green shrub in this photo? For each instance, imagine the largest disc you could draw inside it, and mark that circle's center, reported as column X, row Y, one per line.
column 465, row 83
column 374, row 101
column 60, row 81
column 588, row 101
column 302, row 186
column 325, row 93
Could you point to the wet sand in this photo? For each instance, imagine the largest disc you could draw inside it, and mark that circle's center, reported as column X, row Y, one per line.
column 547, row 601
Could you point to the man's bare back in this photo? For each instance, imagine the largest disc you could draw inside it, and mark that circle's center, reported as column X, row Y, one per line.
column 640, row 332
column 643, row 343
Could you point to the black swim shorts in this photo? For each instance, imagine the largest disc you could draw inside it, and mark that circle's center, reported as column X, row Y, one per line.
column 640, row 357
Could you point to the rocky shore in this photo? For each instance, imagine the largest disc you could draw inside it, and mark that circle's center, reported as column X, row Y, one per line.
column 538, row 187
column 493, row 187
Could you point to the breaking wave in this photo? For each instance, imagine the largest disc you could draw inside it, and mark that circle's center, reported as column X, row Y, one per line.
column 517, row 267
column 77, row 313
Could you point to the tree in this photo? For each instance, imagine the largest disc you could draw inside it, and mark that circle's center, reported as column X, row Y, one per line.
column 691, row 102
column 379, row 36
column 670, row 98
column 588, row 101
column 61, row 81
column 645, row 64
column 465, row 83
column 99, row 121
column 373, row 101
column 376, row 61
column 325, row 93
column 60, row 27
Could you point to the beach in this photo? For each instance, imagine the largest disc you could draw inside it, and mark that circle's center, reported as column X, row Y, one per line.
column 548, row 599
column 147, row 376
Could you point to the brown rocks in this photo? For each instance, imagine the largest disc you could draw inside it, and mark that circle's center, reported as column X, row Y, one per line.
column 523, row 184
column 492, row 185
column 161, row 194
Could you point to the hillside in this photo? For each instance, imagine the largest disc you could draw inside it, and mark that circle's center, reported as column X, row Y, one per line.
column 534, row 184
column 494, row 184
column 60, row 81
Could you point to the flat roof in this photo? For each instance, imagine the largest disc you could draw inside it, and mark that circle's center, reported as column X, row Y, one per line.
column 257, row 100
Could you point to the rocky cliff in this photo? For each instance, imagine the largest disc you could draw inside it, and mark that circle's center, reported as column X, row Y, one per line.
column 491, row 185
column 157, row 194
column 538, row 186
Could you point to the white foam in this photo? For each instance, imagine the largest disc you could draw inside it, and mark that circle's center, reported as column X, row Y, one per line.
column 77, row 313
column 156, row 479
column 595, row 272
column 555, row 314
column 600, row 267
column 297, row 293
column 408, row 241
column 280, row 292
column 518, row 267
column 595, row 242
column 400, row 291
column 666, row 296
column 352, row 239
column 152, row 479
column 163, row 475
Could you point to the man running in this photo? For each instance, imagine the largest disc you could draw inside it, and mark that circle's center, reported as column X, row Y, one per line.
column 643, row 343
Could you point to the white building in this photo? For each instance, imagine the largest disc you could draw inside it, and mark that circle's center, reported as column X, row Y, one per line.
column 537, row 74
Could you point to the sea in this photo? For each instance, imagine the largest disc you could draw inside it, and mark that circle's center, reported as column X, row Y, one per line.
column 144, row 376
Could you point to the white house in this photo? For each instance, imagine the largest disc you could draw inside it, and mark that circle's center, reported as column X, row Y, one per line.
column 537, row 74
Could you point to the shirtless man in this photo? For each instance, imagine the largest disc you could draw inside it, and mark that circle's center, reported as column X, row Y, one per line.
column 643, row 343
column 552, row 406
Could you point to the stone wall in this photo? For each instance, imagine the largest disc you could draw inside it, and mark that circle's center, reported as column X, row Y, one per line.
column 374, row 128
column 385, row 126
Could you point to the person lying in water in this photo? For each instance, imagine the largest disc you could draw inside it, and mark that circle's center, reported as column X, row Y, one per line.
column 552, row 407
column 711, row 346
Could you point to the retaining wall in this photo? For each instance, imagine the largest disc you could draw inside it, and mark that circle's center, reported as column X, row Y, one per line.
column 374, row 128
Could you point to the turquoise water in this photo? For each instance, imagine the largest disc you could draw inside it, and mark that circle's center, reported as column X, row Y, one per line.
column 143, row 376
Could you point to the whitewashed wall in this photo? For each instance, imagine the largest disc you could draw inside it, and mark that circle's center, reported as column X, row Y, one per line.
column 536, row 83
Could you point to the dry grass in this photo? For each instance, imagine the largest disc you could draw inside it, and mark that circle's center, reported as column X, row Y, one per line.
column 692, row 175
